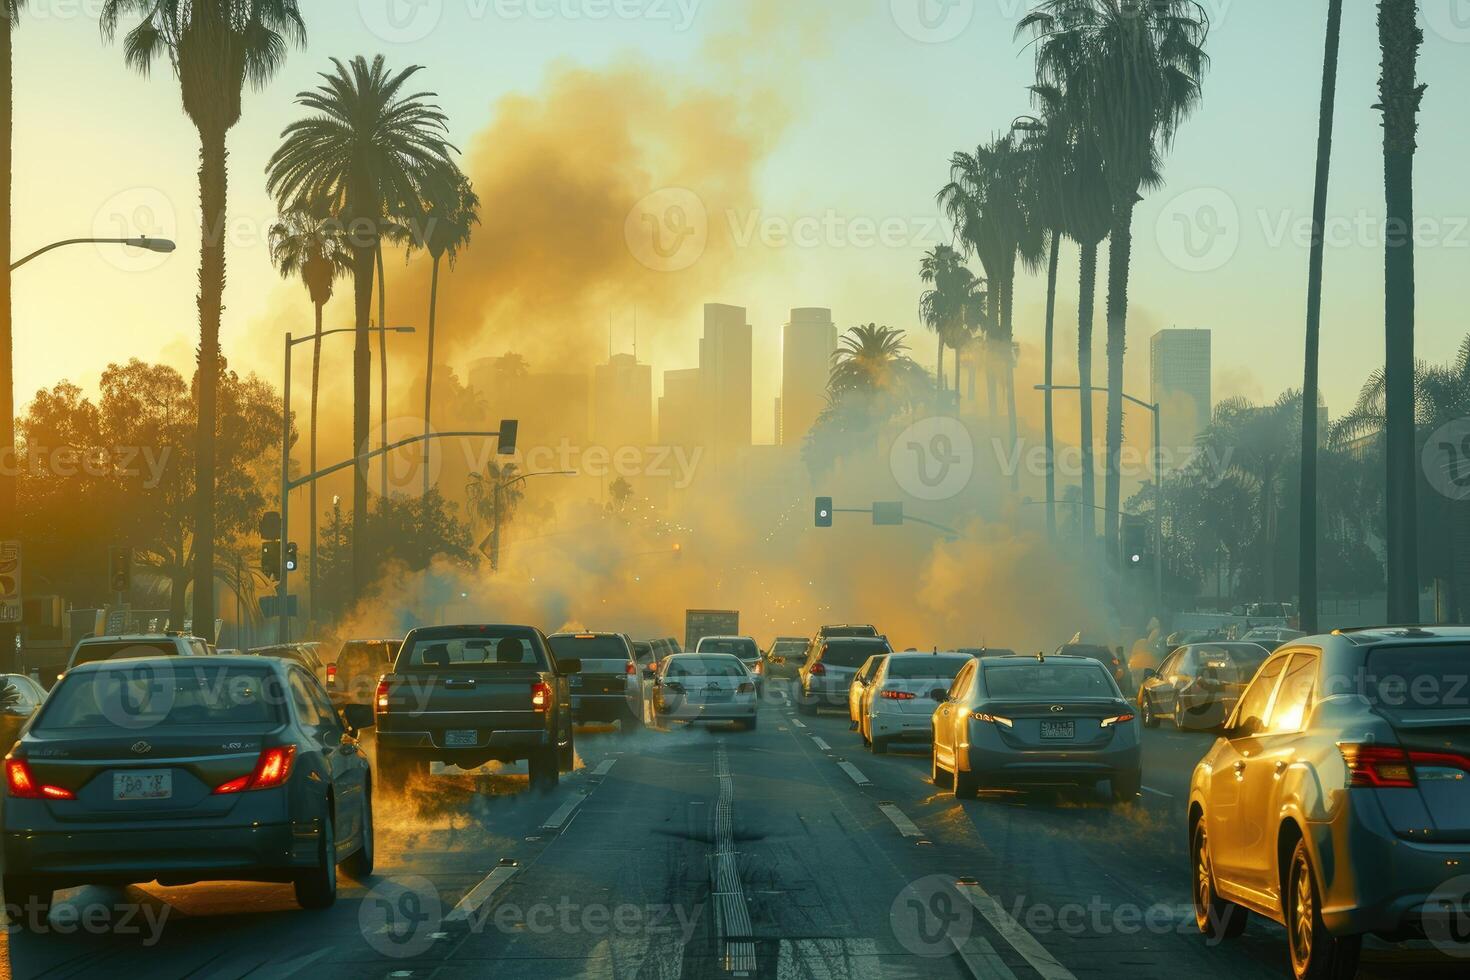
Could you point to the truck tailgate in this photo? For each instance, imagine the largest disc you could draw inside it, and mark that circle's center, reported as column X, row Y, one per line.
column 463, row 699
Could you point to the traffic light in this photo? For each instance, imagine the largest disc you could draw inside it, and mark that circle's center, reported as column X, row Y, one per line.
column 120, row 569
column 270, row 559
column 824, row 512
column 291, row 556
column 1135, row 542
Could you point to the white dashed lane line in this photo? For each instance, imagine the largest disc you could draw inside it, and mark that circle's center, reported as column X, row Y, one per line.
column 854, row 772
column 558, row 819
column 604, row 767
column 480, row 894
column 1014, row 933
column 900, row 820
column 798, row 723
column 821, row 744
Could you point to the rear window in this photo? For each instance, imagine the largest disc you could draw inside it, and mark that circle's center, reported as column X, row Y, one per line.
column 742, row 648
column 185, row 692
column 939, row 668
column 1030, row 681
column 589, row 647
column 1234, row 661
column 90, row 653
column 851, row 654
column 487, row 648
column 1417, row 678
column 849, row 631
column 784, row 647
column 718, row 665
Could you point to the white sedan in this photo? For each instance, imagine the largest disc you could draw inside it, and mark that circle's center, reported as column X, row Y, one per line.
column 899, row 701
column 704, row 687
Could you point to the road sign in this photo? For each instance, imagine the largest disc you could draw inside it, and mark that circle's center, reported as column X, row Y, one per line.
column 888, row 513
column 10, row 604
column 270, row 605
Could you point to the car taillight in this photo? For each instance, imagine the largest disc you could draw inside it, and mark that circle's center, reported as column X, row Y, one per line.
column 380, row 699
column 897, row 696
column 819, row 668
column 759, row 668
column 331, row 673
column 272, row 769
column 1116, row 720
column 1391, row 767
column 23, row 785
column 541, row 696
column 993, row 719
column 631, row 669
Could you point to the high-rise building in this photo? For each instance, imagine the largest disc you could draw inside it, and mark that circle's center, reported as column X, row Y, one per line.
column 680, row 409
column 807, row 344
column 550, row 407
column 622, row 403
column 1179, row 382
column 725, row 363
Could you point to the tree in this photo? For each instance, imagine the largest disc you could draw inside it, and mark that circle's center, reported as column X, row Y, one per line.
column 366, row 150
column 620, row 494
column 1400, row 96
column 1132, row 69
column 1308, row 540
column 945, row 307
column 214, row 48
column 872, row 359
column 451, row 210
column 311, row 247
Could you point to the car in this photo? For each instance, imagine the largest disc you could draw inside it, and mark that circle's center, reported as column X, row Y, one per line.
column 704, row 687
column 132, row 645
column 1197, row 685
column 353, row 676
column 608, row 688
column 27, row 696
column 185, row 769
column 1271, row 637
column 826, row 674
column 304, row 654
column 898, row 704
column 468, row 695
column 784, row 656
column 743, row 647
column 860, row 682
column 846, row 630
column 643, row 651
column 1109, row 657
column 1018, row 720
column 986, row 651
column 1337, row 799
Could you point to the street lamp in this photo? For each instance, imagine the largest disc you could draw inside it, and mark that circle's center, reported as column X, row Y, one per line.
column 150, row 244
column 495, row 511
column 282, row 591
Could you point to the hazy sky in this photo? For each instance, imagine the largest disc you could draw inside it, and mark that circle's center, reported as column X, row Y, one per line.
column 857, row 115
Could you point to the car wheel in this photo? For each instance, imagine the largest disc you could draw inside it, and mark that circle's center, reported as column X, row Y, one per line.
column 1316, row 954
column 1125, row 786
column 966, row 784
column 878, row 744
column 31, row 898
column 545, row 769
column 317, row 887
column 360, row 863
column 1146, row 708
column 1215, row 917
column 939, row 777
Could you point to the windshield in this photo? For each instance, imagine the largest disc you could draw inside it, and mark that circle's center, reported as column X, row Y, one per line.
column 1033, row 681
column 925, row 667
column 743, row 648
column 483, row 648
column 149, row 695
column 89, row 653
column 851, row 653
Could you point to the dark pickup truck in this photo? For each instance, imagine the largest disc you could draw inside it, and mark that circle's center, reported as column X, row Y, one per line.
column 467, row 695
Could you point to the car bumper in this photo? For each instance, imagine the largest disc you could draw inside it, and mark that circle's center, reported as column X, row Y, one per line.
column 730, row 711
column 430, row 744
column 987, row 753
column 892, row 725
column 825, row 699
column 601, row 707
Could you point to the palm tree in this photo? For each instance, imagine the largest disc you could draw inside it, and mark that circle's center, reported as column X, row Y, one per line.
column 367, row 149
column 451, row 210
column 214, row 47
column 1307, row 543
column 1133, row 70
column 872, row 359
column 1400, row 95
column 944, row 308
column 312, row 247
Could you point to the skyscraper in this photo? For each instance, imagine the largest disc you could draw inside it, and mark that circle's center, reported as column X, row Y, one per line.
column 1179, row 382
column 622, row 403
column 806, row 358
column 679, row 409
column 725, row 365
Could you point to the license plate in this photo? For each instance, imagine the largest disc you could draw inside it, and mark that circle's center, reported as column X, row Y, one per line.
column 1058, row 729
column 575, row 680
column 463, row 736
column 150, row 784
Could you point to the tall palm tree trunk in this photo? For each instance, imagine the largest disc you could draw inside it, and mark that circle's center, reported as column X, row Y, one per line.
column 957, row 359
column 1047, row 421
column 316, row 379
column 429, row 370
column 382, row 373
column 939, row 365
column 1120, row 251
column 1009, row 377
column 362, row 372
column 1307, row 544
column 213, row 194
column 1399, row 38
column 1086, row 303
column 9, row 519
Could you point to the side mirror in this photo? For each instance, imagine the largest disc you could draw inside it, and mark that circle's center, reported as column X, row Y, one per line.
column 1149, row 673
column 569, row 666
column 939, row 694
column 358, row 717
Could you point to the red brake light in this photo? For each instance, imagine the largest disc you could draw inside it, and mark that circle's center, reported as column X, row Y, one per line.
column 272, row 769
column 380, row 699
column 1115, row 720
column 631, row 669
column 1390, row 767
column 541, row 696
column 819, row 668
column 897, row 696
column 23, row 786
column 331, row 673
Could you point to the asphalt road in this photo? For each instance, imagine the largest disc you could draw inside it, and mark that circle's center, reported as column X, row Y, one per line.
column 785, row 852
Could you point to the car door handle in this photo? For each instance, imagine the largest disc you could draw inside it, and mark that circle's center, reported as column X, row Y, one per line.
column 1281, row 767
column 1240, row 768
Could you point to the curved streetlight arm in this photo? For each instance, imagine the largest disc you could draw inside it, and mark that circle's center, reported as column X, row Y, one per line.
column 151, row 244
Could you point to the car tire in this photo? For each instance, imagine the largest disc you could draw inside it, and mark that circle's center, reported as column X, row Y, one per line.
column 1125, row 786
column 966, row 784
column 360, row 863
column 32, row 898
column 316, row 888
column 1316, row 954
column 938, row 776
column 545, row 766
column 1216, row 918
column 1146, row 708
column 879, row 745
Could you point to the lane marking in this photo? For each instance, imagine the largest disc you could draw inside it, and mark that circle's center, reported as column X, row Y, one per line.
column 855, row 959
column 821, row 744
column 798, row 723
column 983, row 960
column 1157, row 792
column 604, row 767
column 855, row 773
column 1014, row 933
column 905, row 826
column 480, row 894
column 557, row 819
column 732, row 914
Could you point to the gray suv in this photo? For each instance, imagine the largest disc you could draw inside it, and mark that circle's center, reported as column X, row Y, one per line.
column 1337, row 801
column 826, row 675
